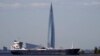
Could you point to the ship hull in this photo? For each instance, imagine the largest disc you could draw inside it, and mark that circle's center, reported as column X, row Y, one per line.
column 46, row 52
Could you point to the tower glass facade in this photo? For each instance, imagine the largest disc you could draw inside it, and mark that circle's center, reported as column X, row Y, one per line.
column 51, row 30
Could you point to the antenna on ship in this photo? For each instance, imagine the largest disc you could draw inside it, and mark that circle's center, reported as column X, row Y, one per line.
column 51, row 30
column 72, row 46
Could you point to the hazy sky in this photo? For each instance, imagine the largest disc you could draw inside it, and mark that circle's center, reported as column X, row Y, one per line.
column 76, row 21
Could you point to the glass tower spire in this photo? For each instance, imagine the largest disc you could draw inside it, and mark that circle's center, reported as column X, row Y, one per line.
column 51, row 30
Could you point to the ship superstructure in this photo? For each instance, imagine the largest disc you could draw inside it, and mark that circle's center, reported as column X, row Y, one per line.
column 17, row 45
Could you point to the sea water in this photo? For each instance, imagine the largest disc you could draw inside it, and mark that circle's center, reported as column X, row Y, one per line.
column 52, row 55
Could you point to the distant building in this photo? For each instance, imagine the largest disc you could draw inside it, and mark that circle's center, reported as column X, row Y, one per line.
column 86, row 51
column 32, row 46
column 5, row 48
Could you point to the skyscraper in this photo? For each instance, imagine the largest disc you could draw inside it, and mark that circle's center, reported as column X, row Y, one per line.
column 51, row 30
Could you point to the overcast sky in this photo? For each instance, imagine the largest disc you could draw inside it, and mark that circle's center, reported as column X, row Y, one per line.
column 76, row 21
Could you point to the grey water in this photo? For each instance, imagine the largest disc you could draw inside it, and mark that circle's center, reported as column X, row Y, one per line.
column 52, row 55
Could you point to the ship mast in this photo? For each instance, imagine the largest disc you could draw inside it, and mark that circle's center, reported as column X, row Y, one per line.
column 51, row 30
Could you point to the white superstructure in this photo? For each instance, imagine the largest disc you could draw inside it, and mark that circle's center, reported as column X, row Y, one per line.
column 17, row 45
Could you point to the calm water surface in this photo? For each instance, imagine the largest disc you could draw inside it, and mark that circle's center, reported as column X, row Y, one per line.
column 51, row 55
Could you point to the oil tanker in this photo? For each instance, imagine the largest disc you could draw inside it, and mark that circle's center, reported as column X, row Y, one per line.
column 17, row 47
